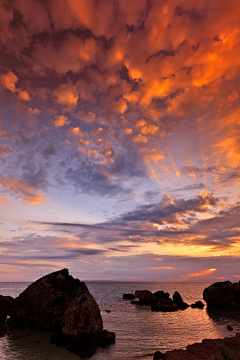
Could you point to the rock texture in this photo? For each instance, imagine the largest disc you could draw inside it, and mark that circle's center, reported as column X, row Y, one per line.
column 222, row 293
column 6, row 302
column 207, row 350
column 82, row 316
column 45, row 301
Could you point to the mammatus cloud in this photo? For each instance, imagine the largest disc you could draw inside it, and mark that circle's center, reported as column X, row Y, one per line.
column 125, row 117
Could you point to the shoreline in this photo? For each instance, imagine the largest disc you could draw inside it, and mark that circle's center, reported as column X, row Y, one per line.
column 206, row 350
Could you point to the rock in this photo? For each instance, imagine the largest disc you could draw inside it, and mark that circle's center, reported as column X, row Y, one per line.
column 177, row 299
column 104, row 338
column 107, row 311
column 198, row 305
column 233, row 303
column 3, row 329
column 6, row 302
column 128, row 296
column 161, row 295
column 145, row 295
column 219, row 294
column 158, row 355
column 82, row 316
column 164, row 307
column 45, row 301
column 229, row 328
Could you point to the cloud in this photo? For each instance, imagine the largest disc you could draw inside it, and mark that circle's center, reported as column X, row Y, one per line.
column 61, row 120
column 5, row 150
column 66, row 94
column 19, row 189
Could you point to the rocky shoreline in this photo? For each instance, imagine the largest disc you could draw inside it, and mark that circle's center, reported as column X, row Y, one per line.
column 208, row 349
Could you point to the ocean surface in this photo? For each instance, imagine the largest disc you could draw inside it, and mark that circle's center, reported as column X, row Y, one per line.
column 139, row 332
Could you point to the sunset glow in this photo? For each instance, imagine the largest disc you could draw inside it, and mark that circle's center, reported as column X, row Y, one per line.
column 120, row 139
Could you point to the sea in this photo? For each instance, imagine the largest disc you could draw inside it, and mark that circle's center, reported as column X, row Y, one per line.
column 139, row 331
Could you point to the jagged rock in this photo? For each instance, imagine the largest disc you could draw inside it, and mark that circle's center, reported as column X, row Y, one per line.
column 145, row 295
column 164, row 307
column 82, row 316
column 128, row 296
column 219, row 294
column 198, row 305
column 45, row 301
column 6, row 302
column 177, row 299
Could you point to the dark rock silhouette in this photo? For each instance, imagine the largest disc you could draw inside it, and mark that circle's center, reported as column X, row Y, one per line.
column 6, row 302
column 177, row 299
column 164, row 307
column 128, row 296
column 158, row 355
column 58, row 301
column 229, row 328
column 198, row 305
column 45, row 301
column 222, row 293
column 146, row 296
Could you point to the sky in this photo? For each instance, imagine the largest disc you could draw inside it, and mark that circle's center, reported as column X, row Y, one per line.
column 120, row 139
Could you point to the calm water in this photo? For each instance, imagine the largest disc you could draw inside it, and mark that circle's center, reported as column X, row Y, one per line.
column 139, row 332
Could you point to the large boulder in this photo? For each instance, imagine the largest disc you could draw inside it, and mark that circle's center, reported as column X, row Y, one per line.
column 45, row 301
column 6, row 303
column 82, row 316
column 219, row 294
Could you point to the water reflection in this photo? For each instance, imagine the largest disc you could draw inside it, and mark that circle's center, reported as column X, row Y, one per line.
column 219, row 314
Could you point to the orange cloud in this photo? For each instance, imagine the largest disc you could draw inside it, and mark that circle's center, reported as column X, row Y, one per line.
column 20, row 189
column 66, row 94
column 9, row 80
column 140, row 139
column 203, row 273
column 61, row 120
column 5, row 150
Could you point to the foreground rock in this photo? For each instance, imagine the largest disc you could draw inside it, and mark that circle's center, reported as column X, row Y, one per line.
column 58, row 301
column 6, row 303
column 207, row 350
column 82, row 316
column 222, row 293
column 45, row 301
